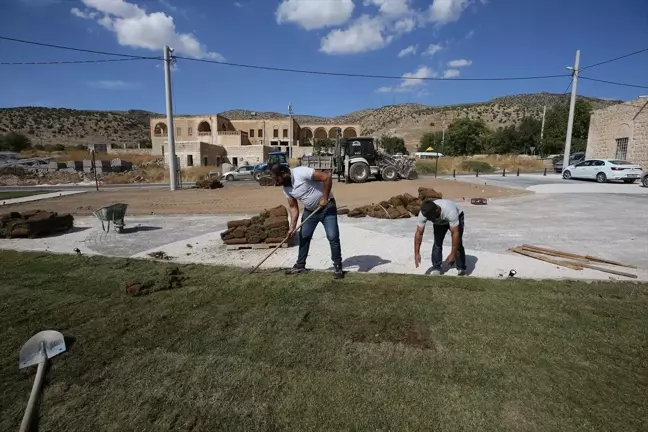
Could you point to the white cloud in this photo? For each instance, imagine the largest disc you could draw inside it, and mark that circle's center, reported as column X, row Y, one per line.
column 173, row 8
column 113, row 85
column 138, row 29
column 432, row 49
column 470, row 34
column 447, row 11
column 85, row 15
column 315, row 14
column 459, row 63
column 407, row 51
column 238, row 4
column 391, row 7
column 364, row 34
column 411, row 81
column 405, row 25
column 451, row 73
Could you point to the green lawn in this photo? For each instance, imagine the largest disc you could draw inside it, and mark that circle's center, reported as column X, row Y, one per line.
column 371, row 352
column 22, row 194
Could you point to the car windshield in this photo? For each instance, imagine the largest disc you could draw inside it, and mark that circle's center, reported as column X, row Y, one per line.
column 620, row 162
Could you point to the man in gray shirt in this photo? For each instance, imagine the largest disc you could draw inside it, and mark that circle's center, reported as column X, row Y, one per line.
column 445, row 215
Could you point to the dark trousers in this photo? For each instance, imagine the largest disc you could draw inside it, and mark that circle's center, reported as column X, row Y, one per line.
column 327, row 217
column 437, row 250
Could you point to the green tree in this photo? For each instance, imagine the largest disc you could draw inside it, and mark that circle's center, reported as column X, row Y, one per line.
column 465, row 137
column 431, row 139
column 393, row 145
column 556, row 127
column 528, row 135
column 323, row 144
column 14, row 141
column 145, row 143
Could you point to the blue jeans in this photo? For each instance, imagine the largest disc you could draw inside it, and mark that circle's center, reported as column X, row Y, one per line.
column 437, row 250
column 328, row 217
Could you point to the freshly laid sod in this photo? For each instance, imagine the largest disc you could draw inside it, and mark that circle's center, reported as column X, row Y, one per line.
column 22, row 194
column 302, row 353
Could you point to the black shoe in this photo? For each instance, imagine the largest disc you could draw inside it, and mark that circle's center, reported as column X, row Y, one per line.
column 296, row 270
column 338, row 273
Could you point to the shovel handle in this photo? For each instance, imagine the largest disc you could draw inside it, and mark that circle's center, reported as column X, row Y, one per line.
column 33, row 397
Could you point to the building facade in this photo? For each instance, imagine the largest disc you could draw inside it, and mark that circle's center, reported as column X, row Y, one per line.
column 620, row 132
column 210, row 140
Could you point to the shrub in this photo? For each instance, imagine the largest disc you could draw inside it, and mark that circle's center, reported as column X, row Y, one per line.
column 425, row 167
column 473, row 166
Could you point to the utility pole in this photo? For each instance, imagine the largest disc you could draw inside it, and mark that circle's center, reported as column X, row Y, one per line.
column 290, row 130
column 94, row 169
column 442, row 138
column 544, row 113
column 169, row 110
column 572, row 107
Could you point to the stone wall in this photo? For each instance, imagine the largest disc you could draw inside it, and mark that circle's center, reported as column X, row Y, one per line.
column 627, row 120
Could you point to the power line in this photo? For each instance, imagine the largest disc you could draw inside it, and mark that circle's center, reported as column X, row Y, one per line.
column 615, row 59
column 311, row 72
column 571, row 81
column 76, row 61
column 71, row 48
column 614, row 83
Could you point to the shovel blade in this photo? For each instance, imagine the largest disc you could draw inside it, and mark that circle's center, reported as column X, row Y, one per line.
column 40, row 347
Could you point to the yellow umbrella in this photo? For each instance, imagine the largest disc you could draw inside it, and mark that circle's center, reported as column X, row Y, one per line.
column 429, row 149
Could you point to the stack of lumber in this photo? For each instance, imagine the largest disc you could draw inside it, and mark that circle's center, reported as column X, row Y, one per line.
column 576, row 262
column 397, row 207
column 269, row 227
column 209, row 184
column 34, row 223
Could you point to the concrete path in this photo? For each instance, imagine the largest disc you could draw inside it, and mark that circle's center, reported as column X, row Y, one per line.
column 39, row 197
column 584, row 224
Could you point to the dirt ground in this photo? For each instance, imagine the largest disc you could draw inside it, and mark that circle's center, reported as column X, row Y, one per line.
column 249, row 198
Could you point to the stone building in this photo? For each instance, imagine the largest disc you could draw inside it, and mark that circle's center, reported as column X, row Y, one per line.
column 620, row 132
column 211, row 139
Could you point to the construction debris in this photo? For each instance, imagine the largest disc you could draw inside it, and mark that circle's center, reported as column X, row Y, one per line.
column 209, row 184
column 478, row 201
column 169, row 278
column 34, row 223
column 581, row 261
column 398, row 207
column 160, row 255
column 269, row 227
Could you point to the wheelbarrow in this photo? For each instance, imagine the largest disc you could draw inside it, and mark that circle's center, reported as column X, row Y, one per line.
column 113, row 213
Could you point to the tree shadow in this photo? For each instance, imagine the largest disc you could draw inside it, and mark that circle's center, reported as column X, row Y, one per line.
column 364, row 263
column 471, row 263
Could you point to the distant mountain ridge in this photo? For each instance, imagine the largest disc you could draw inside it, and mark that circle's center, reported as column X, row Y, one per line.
column 411, row 121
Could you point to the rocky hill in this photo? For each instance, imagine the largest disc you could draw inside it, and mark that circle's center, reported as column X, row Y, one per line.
column 410, row 121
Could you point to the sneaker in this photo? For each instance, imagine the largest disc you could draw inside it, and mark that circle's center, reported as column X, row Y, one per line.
column 435, row 272
column 296, row 270
column 461, row 273
column 338, row 273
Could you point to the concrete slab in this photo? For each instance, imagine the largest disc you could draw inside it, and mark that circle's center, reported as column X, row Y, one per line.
column 39, row 197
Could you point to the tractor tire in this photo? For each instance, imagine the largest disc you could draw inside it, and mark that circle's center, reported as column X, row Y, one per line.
column 257, row 175
column 389, row 174
column 359, row 172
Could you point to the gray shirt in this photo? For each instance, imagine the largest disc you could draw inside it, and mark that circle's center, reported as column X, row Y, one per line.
column 450, row 212
column 304, row 189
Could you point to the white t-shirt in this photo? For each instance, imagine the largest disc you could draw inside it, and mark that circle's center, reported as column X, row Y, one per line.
column 304, row 189
column 450, row 212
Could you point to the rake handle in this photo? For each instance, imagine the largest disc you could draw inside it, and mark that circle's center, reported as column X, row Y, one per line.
column 284, row 240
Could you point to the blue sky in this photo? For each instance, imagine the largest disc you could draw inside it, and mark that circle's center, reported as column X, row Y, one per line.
column 421, row 38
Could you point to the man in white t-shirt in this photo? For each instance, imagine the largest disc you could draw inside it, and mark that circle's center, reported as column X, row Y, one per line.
column 311, row 188
column 445, row 215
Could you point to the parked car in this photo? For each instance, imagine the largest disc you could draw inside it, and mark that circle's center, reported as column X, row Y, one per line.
column 573, row 160
column 240, row 173
column 603, row 170
column 644, row 179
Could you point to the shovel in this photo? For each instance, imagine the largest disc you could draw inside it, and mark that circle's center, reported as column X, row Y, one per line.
column 37, row 350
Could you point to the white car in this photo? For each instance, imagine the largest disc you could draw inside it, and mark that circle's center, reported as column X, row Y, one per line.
column 603, row 170
column 240, row 173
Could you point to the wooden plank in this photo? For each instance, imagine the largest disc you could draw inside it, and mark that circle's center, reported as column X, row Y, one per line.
column 254, row 246
column 554, row 254
column 614, row 272
column 573, row 266
column 571, row 255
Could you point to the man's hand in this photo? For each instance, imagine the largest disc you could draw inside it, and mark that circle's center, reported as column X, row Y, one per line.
column 291, row 232
column 323, row 202
column 417, row 259
column 452, row 257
